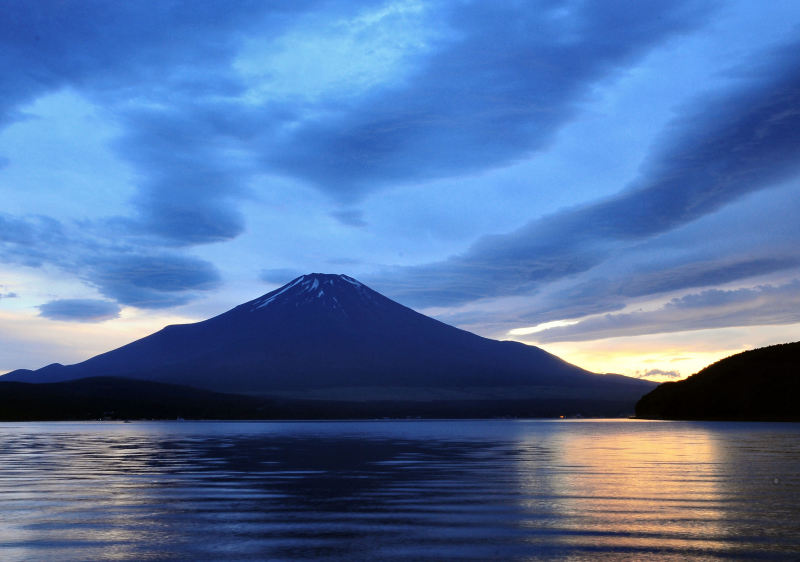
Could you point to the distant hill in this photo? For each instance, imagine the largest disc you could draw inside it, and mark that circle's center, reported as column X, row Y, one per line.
column 115, row 398
column 330, row 338
column 762, row 384
column 96, row 398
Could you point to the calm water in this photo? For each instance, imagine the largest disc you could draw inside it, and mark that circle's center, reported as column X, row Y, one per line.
column 508, row 490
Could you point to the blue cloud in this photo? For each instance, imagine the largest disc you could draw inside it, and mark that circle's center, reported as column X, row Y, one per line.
column 190, row 182
column 80, row 310
column 30, row 241
column 495, row 85
column 499, row 86
column 350, row 217
column 704, row 274
column 279, row 276
column 160, row 68
column 127, row 273
column 165, row 71
column 152, row 281
column 98, row 44
column 713, row 308
column 721, row 149
column 601, row 295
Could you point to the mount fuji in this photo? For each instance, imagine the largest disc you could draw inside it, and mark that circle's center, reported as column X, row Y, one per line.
column 331, row 338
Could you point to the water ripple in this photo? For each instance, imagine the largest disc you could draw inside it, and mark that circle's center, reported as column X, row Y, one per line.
column 502, row 490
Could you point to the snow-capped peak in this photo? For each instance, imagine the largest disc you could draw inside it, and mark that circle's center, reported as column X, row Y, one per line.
column 312, row 286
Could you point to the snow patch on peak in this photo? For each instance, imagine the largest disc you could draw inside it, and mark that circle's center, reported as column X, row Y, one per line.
column 350, row 280
column 266, row 301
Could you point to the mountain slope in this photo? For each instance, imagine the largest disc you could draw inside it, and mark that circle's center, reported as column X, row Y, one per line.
column 761, row 384
column 330, row 336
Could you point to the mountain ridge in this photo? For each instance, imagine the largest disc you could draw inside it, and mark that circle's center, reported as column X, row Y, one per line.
column 761, row 384
column 323, row 331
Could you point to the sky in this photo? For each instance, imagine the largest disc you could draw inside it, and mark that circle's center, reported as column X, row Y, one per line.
column 617, row 182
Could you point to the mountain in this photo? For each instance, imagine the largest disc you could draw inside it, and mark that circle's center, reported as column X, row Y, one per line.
column 761, row 384
column 332, row 338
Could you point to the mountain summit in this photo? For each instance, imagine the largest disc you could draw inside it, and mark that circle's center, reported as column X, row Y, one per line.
column 330, row 337
column 311, row 290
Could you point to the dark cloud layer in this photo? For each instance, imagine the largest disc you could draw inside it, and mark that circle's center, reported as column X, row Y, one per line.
column 152, row 66
column 279, row 276
column 131, row 275
column 722, row 148
column 187, row 194
column 496, row 85
column 601, row 295
column 472, row 104
column 80, row 310
column 154, row 281
column 713, row 308
column 105, row 46
column 497, row 89
column 30, row 241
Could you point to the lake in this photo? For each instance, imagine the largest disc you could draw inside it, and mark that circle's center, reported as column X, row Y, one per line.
column 384, row 490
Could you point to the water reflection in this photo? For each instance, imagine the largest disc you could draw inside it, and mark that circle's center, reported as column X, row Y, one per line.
column 383, row 490
column 632, row 489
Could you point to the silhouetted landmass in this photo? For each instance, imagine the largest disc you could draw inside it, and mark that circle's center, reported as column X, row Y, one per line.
column 758, row 385
column 117, row 398
column 328, row 343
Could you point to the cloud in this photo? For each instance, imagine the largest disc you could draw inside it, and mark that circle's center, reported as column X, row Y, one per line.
column 80, row 310
column 30, row 241
column 704, row 274
column 279, row 276
column 8, row 295
column 719, row 150
column 128, row 273
column 152, row 281
column 111, row 48
column 193, row 174
column 496, row 86
column 170, row 75
column 712, row 308
column 197, row 138
column 97, row 44
column 350, row 217
column 489, row 85
column 658, row 374
column 600, row 294
column 165, row 72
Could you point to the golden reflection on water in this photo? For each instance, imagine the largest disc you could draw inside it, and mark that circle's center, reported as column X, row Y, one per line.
column 614, row 486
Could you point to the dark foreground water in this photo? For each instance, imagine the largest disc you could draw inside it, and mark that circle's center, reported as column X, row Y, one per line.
column 506, row 490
